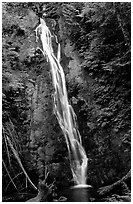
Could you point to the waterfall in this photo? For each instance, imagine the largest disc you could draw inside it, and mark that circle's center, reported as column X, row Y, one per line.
column 62, row 109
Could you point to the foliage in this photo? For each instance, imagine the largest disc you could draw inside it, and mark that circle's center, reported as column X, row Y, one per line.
column 104, row 49
column 15, row 103
column 100, row 34
column 65, row 13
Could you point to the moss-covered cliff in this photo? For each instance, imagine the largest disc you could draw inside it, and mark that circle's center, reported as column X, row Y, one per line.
column 95, row 55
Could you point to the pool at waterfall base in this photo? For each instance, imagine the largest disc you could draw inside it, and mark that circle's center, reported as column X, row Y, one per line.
column 85, row 193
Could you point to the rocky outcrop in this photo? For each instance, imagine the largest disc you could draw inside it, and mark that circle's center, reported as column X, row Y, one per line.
column 41, row 119
column 47, row 144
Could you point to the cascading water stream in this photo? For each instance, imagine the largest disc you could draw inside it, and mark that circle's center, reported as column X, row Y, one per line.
column 63, row 110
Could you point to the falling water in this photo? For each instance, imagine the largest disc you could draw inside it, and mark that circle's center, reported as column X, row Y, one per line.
column 63, row 110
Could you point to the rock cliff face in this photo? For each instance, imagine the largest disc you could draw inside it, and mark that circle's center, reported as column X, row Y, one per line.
column 106, row 150
column 103, row 145
column 98, row 89
column 47, row 143
column 41, row 113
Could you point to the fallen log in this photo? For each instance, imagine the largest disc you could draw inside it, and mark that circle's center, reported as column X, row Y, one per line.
column 106, row 189
column 125, row 198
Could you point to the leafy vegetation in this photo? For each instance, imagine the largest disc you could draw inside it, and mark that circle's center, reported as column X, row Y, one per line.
column 99, row 88
column 103, row 48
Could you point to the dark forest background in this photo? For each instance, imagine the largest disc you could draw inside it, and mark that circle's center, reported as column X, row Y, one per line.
column 96, row 57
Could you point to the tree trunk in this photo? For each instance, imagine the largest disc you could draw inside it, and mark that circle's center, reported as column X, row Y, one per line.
column 43, row 192
column 107, row 189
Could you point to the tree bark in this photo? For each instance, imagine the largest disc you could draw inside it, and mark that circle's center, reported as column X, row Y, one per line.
column 107, row 189
column 43, row 192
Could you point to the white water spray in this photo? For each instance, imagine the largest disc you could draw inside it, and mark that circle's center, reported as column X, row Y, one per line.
column 63, row 110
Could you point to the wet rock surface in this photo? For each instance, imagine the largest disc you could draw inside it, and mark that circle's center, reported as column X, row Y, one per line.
column 96, row 62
